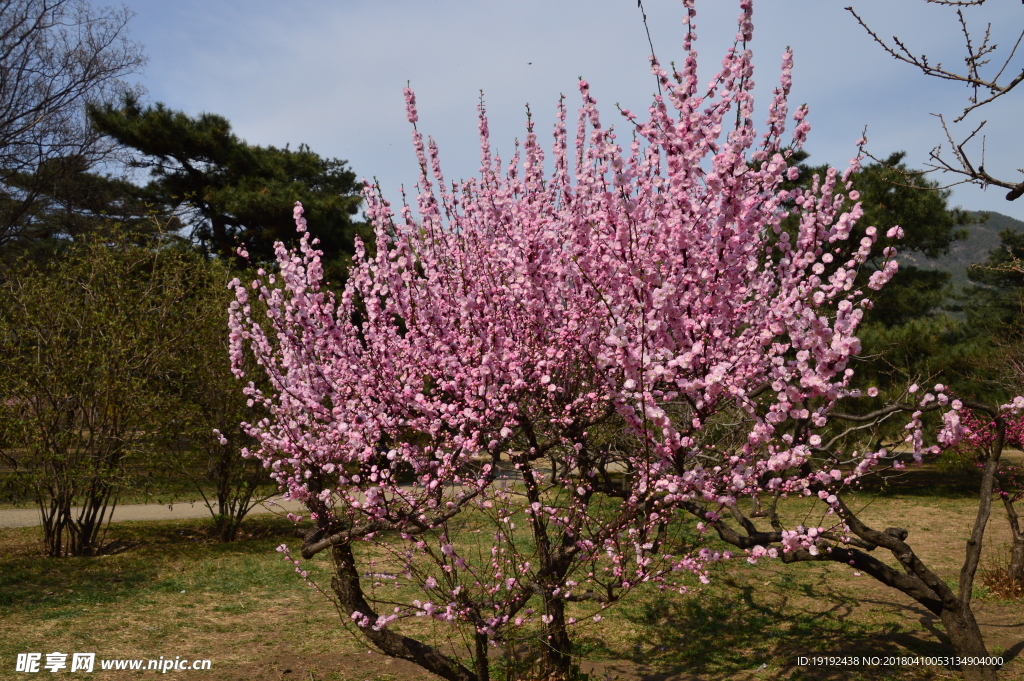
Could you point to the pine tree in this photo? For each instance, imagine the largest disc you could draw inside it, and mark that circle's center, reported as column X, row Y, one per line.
column 229, row 192
column 64, row 201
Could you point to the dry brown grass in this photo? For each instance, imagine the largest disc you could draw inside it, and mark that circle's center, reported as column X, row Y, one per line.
column 246, row 610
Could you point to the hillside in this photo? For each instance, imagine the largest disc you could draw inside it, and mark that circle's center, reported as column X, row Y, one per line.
column 984, row 236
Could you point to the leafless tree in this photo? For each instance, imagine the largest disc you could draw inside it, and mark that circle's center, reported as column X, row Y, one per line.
column 55, row 56
column 985, row 86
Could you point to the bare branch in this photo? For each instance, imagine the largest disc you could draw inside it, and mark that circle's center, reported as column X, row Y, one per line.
column 976, row 58
column 639, row 3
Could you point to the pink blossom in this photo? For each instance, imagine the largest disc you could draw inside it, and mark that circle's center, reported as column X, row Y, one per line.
column 519, row 309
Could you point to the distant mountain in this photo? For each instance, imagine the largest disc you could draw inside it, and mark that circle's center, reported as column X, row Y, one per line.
column 984, row 237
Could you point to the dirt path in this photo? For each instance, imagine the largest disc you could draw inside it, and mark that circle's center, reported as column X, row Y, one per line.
column 29, row 517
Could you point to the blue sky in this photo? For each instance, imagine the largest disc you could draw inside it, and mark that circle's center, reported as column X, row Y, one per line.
column 330, row 74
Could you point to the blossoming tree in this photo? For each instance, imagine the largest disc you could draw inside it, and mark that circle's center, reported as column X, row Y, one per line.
column 980, row 437
column 503, row 421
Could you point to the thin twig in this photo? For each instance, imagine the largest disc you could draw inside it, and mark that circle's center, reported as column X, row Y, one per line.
column 639, row 3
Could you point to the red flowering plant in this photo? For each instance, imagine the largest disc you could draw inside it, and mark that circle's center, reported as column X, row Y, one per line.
column 446, row 418
column 981, row 439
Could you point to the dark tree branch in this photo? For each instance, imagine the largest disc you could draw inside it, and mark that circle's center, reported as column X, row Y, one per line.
column 350, row 596
column 976, row 59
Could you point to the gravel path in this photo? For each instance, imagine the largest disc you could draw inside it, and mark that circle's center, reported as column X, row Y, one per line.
column 29, row 517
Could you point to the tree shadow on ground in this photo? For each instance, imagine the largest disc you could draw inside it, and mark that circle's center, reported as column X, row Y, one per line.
column 742, row 628
column 140, row 558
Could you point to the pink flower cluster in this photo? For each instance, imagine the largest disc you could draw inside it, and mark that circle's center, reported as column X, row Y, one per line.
column 977, row 434
column 501, row 322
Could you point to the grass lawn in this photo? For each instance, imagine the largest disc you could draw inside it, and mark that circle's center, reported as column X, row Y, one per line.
column 169, row 590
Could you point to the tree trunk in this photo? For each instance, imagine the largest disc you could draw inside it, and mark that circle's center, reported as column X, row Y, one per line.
column 557, row 647
column 964, row 634
column 958, row 618
column 481, row 660
column 1016, row 567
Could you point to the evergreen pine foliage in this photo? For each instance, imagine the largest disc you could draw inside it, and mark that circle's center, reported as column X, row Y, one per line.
column 63, row 201
column 993, row 303
column 229, row 192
